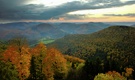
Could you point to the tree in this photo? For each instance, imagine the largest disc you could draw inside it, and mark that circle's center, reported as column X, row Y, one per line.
column 110, row 75
column 18, row 54
column 48, row 64
column 38, row 54
column 129, row 73
column 55, row 65
column 8, row 71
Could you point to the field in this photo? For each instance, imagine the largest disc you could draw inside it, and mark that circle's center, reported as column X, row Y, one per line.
column 46, row 41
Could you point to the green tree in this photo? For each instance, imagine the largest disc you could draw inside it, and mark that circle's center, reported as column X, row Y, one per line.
column 38, row 54
column 8, row 71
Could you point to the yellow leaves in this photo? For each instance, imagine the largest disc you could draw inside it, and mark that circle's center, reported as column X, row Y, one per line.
column 114, row 74
column 102, row 76
column 110, row 75
column 20, row 59
column 48, row 61
column 54, row 62
column 48, row 71
column 45, row 62
column 74, row 59
column 39, row 49
column 129, row 70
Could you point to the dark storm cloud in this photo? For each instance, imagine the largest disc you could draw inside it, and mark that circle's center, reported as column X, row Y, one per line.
column 18, row 9
column 77, row 5
column 128, row 15
column 11, row 4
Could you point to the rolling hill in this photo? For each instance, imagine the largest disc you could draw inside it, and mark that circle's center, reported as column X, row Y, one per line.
column 82, row 28
column 36, row 30
column 47, row 30
column 115, row 40
column 32, row 30
column 110, row 49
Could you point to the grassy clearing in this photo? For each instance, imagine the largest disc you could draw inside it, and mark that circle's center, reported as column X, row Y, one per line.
column 47, row 41
column 44, row 40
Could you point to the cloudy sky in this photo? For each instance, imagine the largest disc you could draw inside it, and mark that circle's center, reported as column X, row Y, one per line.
column 68, row 10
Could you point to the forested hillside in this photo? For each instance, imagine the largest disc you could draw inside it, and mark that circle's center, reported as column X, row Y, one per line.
column 110, row 49
column 103, row 55
column 115, row 38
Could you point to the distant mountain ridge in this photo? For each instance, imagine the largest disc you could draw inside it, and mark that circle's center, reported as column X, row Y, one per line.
column 133, row 25
column 37, row 30
column 48, row 31
column 83, row 28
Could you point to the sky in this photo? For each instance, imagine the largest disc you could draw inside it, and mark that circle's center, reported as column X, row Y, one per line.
column 67, row 10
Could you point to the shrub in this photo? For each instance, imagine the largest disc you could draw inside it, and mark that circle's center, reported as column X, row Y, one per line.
column 110, row 75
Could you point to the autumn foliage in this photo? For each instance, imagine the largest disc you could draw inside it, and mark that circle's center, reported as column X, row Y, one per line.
column 19, row 56
column 74, row 59
column 47, row 63
column 110, row 75
column 37, row 62
column 55, row 64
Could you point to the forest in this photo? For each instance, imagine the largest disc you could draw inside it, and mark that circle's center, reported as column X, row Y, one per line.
column 104, row 55
column 110, row 49
column 21, row 62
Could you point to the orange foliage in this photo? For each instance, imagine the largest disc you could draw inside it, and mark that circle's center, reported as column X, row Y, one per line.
column 129, row 70
column 54, row 63
column 20, row 59
column 74, row 59
column 38, row 49
column 114, row 74
column 49, row 62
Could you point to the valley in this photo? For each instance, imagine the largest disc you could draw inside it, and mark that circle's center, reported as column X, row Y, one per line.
column 62, row 51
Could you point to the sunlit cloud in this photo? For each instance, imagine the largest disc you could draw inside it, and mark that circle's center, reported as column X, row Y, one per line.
column 128, row 15
column 63, row 9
